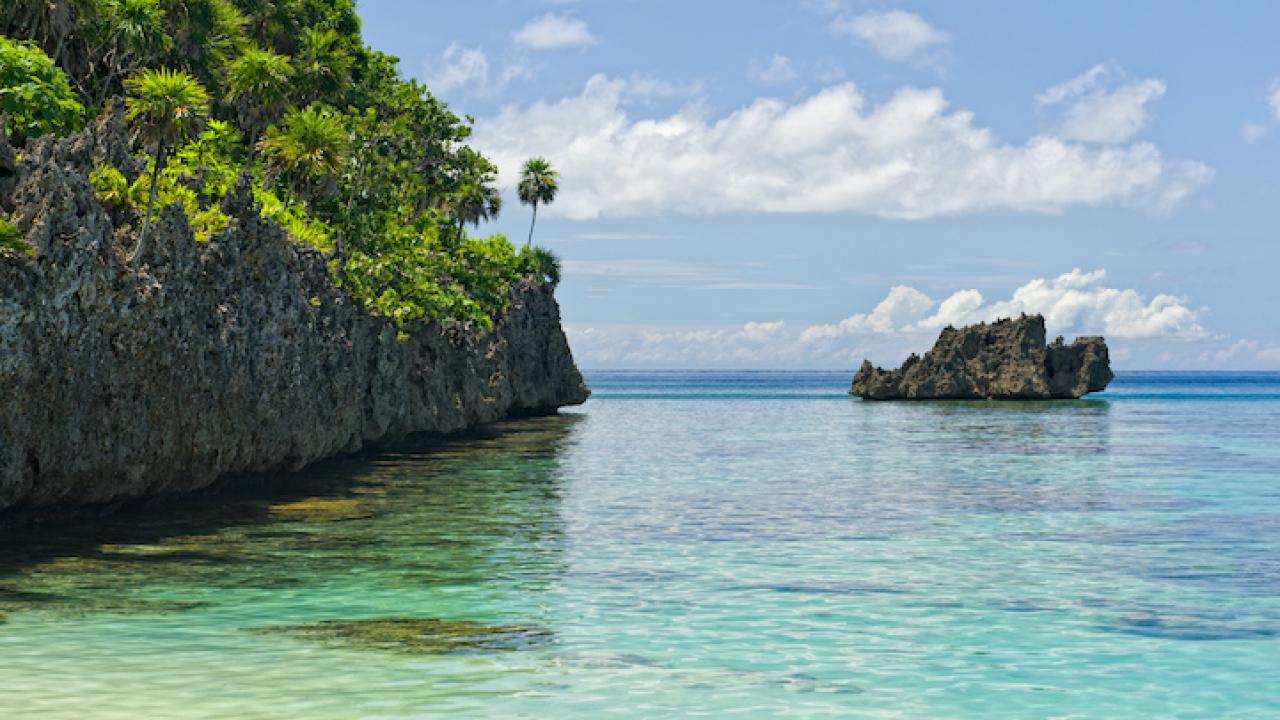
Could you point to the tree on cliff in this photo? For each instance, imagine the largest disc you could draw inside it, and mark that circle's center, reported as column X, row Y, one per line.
column 259, row 84
column 167, row 107
column 538, row 184
column 471, row 203
column 35, row 93
column 307, row 147
column 134, row 34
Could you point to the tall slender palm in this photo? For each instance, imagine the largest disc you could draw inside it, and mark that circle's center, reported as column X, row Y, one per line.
column 471, row 203
column 167, row 107
column 308, row 145
column 259, row 83
column 538, row 184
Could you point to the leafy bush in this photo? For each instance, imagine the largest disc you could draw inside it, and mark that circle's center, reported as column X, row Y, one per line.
column 294, row 218
column 111, row 187
column 542, row 264
column 35, row 93
column 12, row 239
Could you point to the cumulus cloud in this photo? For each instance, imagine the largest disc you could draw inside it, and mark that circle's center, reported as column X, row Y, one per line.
column 898, row 311
column 1100, row 106
column 778, row 71
column 1074, row 302
column 910, row 156
column 553, row 32
column 459, row 67
column 895, row 34
column 1256, row 132
column 907, row 320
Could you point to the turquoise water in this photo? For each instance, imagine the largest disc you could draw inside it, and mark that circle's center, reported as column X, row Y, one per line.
column 698, row 544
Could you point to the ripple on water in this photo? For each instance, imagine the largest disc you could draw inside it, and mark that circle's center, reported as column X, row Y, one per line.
column 736, row 556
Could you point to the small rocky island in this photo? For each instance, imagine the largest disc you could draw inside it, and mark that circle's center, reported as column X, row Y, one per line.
column 1004, row 360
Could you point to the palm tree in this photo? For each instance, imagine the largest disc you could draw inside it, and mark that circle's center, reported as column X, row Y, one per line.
column 538, row 184
column 308, row 144
column 324, row 67
column 167, row 106
column 207, row 34
column 471, row 203
column 135, row 34
column 259, row 83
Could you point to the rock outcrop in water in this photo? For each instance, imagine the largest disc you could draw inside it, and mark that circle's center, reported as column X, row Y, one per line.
column 1004, row 360
column 208, row 359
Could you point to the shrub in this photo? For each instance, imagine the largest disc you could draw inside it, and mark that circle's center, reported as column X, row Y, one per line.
column 35, row 93
column 110, row 186
column 13, row 240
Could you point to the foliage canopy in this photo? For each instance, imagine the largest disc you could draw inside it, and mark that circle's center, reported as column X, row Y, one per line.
column 35, row 93
column 347, row 155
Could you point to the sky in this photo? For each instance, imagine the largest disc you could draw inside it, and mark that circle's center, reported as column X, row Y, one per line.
column 806, row 184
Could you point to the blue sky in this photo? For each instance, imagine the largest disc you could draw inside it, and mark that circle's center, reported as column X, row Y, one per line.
column 805, row 184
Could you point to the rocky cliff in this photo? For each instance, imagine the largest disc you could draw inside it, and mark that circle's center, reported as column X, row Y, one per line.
column 1007, row 359
column 232, row 356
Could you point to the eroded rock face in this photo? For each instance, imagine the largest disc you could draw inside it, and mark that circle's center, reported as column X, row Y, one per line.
column 1004, row 360
column 232, row 356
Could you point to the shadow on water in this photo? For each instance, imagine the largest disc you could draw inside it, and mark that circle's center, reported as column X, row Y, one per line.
column 483, row 508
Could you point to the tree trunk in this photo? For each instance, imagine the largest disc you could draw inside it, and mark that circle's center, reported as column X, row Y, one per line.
column 533, row 222
column 151, row 204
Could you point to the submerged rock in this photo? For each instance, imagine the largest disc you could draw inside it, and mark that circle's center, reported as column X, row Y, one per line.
column 418, row 635
column 208, row 359
column 1003, row 360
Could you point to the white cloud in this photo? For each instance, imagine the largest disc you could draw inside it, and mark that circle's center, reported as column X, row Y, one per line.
column 1253, row 133
column 895, row 35
column 778, row 71
column 761, row 331
column 908, row 320
column 1099, row 106
column 673, row 273
column 552, row 32
column 910, row 156
column 459, row 67
column 1074, row 302
column 902, row 307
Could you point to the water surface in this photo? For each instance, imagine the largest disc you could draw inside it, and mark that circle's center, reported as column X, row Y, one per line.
column 715, row 544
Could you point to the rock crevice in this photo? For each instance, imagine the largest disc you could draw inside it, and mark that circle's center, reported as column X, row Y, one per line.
column 208, row 359
column 1003, row 360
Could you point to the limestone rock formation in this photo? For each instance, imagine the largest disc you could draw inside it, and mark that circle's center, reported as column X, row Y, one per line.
column 233, row 356
column 1004, row 360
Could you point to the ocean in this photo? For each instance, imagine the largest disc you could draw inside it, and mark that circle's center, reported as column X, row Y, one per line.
column 714, row 544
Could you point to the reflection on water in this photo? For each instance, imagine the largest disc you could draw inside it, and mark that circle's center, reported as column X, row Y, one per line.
column 755, row 545
column 479, row 512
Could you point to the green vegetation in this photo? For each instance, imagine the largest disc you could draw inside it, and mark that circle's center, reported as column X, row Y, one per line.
column 35, row 93
column 345, row 154
column 167, row 107
column 12, row 240
column 537, row 185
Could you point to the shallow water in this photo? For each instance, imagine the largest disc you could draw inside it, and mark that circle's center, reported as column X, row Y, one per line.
column 716, row 544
